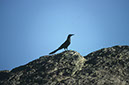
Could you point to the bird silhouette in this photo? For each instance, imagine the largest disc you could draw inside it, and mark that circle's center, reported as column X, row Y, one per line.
column 64, row 45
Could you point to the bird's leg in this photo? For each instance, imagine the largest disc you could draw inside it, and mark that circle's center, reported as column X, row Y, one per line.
column 65, row 49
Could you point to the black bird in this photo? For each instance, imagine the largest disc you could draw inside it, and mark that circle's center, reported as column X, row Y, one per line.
column 65, row 44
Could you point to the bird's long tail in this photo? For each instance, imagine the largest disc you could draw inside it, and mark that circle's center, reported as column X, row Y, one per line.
column 54, row 51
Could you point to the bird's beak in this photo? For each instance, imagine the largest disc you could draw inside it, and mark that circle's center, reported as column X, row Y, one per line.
column 72, row 34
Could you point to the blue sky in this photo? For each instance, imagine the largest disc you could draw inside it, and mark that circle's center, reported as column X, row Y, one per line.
column 33, row 28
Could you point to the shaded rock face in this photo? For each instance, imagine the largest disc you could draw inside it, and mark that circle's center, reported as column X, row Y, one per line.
column 108, row 66
column 47, row 70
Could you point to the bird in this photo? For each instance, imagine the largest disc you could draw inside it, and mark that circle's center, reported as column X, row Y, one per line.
column 64, row 45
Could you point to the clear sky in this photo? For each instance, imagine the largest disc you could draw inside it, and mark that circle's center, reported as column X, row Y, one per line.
column 33, row 28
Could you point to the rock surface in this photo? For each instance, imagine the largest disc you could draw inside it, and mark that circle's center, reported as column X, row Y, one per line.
column 107, row 66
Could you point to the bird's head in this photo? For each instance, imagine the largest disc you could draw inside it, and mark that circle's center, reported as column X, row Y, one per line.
column 70, row 35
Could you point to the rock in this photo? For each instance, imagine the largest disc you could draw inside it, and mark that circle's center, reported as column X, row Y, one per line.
column 107, row 66
column 47, row 70
column 4, row 74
